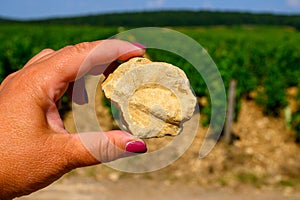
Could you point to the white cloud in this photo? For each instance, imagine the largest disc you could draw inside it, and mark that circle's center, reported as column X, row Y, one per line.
column 155, row 3
column 293, row 3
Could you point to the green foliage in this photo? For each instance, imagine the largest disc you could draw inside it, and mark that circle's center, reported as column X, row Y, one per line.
column 108, row 104
column 248, row 178
column 296, row 116
column 273, row 97
column 256, row 56
column 296, row 125
column 177, row 18
column 21, row 42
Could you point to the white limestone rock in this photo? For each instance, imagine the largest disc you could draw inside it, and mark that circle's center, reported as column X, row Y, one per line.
column 154, row 97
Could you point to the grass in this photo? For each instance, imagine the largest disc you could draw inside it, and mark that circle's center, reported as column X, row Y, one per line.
column 249, row 178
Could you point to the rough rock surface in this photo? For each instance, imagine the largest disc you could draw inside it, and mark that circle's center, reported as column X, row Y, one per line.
column 153, row 97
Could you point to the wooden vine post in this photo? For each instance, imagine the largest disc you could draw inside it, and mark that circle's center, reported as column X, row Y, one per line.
column 230, row 111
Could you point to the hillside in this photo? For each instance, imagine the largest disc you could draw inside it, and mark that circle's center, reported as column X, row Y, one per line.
column 7, row 21
column 176, row 18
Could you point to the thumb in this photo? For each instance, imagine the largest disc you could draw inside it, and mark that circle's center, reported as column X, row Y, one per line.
column 94, row 147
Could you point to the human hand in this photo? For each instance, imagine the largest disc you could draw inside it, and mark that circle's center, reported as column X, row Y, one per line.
column 35, row 149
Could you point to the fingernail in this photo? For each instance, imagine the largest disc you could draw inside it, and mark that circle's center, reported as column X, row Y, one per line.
column 139, row 45
column 136, row 147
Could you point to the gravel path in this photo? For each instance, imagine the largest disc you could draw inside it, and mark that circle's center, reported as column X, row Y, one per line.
column 128, row 189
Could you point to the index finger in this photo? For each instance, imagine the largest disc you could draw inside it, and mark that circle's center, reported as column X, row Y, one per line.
column 73, row 62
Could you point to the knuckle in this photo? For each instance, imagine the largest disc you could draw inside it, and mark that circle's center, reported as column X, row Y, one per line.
column 47, row 50
column 81, row 46
column 77, row 48
column 68, row 48
column 9, row 78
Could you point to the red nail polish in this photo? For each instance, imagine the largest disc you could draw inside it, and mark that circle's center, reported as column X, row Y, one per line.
column 139, row 45
column 136, row 147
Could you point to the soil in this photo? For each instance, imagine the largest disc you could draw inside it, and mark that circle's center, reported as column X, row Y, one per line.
column 264, row 163
column 128, row 189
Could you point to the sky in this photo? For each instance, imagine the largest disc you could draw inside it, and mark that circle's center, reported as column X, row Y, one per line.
column 34, row 9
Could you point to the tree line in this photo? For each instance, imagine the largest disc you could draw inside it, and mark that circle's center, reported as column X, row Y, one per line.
column 174, row 18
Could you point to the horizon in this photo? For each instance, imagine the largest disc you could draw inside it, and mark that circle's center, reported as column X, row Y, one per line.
column 147, row 11
column 46, row 9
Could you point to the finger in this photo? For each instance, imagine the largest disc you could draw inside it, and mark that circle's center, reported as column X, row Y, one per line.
column 81, row 58
column 77, row 92
column 71, row 63
column 132, row 54
column 94, row 148
column 38, row 57
column 8, row 79
column 105, row 69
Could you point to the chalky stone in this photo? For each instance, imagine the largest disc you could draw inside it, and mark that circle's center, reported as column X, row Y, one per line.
column 154, row 98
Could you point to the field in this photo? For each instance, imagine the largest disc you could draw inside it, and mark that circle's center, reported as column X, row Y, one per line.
column 20, row 42
column 263, row 59
column 265, row 62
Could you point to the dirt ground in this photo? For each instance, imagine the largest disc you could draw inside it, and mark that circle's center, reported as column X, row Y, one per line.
column 263, row 164
column 128, row 189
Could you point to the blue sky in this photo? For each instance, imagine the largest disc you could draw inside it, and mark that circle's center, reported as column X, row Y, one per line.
column 28, row 9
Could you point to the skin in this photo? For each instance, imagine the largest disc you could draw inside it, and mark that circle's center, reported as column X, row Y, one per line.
column 35, row 148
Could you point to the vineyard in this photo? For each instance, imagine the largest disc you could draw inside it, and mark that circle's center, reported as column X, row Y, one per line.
column 263, row 59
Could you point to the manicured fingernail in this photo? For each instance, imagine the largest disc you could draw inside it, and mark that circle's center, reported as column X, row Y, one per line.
column 136, row 147
column 139, row 45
